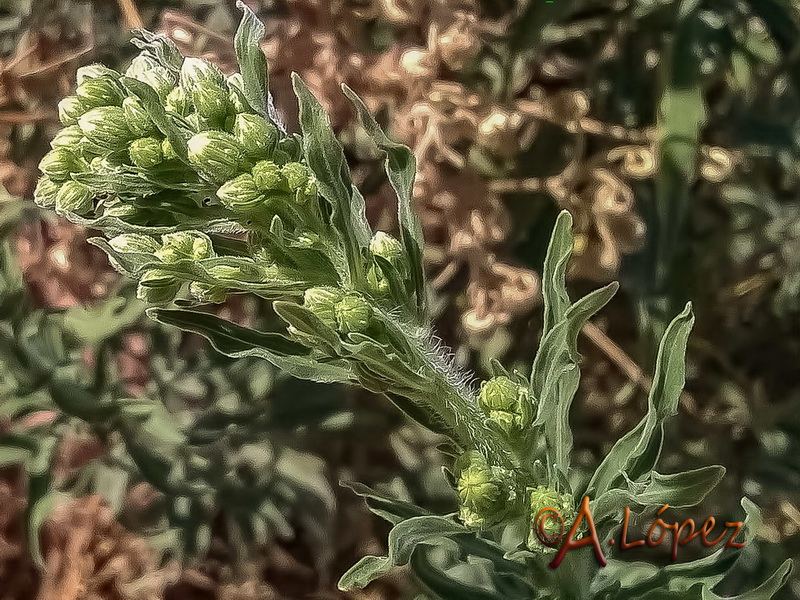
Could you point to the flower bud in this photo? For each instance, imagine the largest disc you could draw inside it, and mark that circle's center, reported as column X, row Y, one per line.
column 240, row 194
column 542, row 498
column 157, row 287
column 506, row 403
column 205, row 292
column 297, row 176
column 180, row 245
column 257, row 135
column 205, row 84
column 267, row 176
column 146, row 152
column 378, row 282
column 217, row 155
column 168, row 151
column 140, row 63
column 69, row 138
column 95, row 71
column 106, row 126
column 321, row 301
column 101, row 91
column 196, row 72
column 139, row 122
column 74, row 197
column 70, row 110
column 147, row 70
column 385, row 246
column 485, row 493
column 178, row 102
column 45, row 192
column 353, row 314
column 59, row 163
column 211, row 103
column 134, row 242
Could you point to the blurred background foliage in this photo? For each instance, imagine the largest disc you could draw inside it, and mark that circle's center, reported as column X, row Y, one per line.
column 669, row 129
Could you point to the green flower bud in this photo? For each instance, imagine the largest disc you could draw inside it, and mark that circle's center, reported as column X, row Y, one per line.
column 178, row 102
column 101, row 91
column 146, row 153
column 211, row 102
column 486, row 493
column 106, row 126
column 45, row 192
column 240, row 194
column 70, row 110
column 59, row 164
column 257, row 135
column 207, row 293
column 168, row 151
column 158, row 78
column 69, row 137
column 180, row 245
column 157, row 287
column 378, row 282
column 542, row 498
column 95, row 71
column 139, row 122
column 506, row 403
column 196, row 72
column 134, row 242
column 353, row 314
column 267, row 176
column 140, row 63
column 217, row 155
column 74, row 197
column 321, row 301
column 385, row 246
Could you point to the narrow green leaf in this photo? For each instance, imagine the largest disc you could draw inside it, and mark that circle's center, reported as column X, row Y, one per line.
column 554, row 288
column 401, row 168
column 42, row 499
column 325, row 156
column 636, row 453
column 555, row 375
column 236, row 341
column 445, row 587
column 252, row 62
column 765, row 591
column 155, row 109
column 403, row 539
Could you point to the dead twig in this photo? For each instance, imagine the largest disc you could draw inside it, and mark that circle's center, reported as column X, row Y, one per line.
column 130, row 14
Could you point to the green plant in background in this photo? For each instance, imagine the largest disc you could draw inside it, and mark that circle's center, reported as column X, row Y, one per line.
column 211, row 434
column 202, row 194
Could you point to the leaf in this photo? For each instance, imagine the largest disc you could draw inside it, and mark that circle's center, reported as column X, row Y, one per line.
column 252, row 62
column 325, row 157
column 636, row 453
column 159, row 47
column 155, row 110
column 555, row 376
column 679, row 490
column 554, row 289
column 236, row 341
column 403, row 539
column 391, row 509
column 401, row 169
column 765, row 591
column 444, row 587
column 42, row 498
column 94, row 324
column 307, row 322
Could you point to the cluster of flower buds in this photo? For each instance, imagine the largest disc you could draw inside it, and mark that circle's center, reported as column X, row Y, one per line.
column 486, row 493
column 238, row 156
column 543, row 500
column 507, row 404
